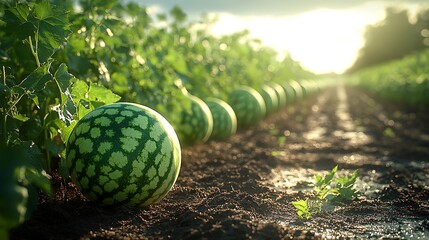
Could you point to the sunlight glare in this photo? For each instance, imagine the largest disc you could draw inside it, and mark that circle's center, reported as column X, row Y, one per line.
column 321, row 40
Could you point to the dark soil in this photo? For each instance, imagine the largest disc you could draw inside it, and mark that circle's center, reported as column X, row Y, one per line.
column 242, row 188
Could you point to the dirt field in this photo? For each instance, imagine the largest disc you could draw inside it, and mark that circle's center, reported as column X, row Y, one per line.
column 242, row 188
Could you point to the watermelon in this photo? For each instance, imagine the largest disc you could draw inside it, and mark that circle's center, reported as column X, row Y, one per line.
column 248, row 105
column 281, row 95
column 270, row 98
column 196, row 123
column 224, row 118
column 298, row 89
column 123, row 154
column 290, row 93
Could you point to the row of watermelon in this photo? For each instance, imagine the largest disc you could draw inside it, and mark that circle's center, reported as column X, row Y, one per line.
column 128, row 154
column 217, row 119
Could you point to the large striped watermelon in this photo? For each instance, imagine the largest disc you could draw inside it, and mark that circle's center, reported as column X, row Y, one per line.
column 270, row 98
column 123, row 154
column 224, row 118
column 248, row 105
column 196, row 124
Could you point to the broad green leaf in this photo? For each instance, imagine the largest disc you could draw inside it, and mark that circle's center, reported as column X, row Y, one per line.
column 303, row 209
column 63, row 77
column 99, row 93
column 301, row 204
column 347, row 193
column 37, row 80
column 67, row 107
column 79, row 90
column 52, row 29
column 17, row 21
column 66, row 131
column 83, row 108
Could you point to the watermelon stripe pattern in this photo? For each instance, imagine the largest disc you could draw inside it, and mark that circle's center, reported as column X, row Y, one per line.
column 248, row 105
column 224, row 119
column 123, row 154
column 196, row 125
column 270, row 98
column 281, row 94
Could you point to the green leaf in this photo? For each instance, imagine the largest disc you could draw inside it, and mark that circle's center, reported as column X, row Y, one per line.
column 17, row 21
column 37, row 80
column 79, row 90
column 67, row 107
column 63, row 77
column 66, row 131
column 303, row 209
column 318, row 180
column 52, row 29
column 20, row 117
column 39, row 179
column 98, row 93
column 347, row 193
column 330, row 175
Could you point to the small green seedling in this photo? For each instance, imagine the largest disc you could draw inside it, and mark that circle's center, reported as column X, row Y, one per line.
column 328, row 191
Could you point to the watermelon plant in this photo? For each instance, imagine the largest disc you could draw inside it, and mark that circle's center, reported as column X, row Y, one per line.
column 248, row 105
column 124, row 154
column 329, row 190
column 224, row 118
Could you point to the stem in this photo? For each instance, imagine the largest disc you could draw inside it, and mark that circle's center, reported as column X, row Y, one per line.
column 4, row 75
column 34, row 51
column 5, row 115
column 5, row 129
column 45, row 137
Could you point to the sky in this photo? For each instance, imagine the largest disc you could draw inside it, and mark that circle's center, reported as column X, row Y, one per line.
column 323, row 35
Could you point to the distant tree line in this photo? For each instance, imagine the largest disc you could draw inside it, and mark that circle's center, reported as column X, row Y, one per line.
column 393, row 38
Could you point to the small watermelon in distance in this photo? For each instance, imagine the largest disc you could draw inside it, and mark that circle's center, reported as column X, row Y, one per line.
column 270, row 98
column 123, row 154
column 290, row 93
column 248, row 105
column 224, row 119
column 281, row 94
column 298, row 89
column 196, row 124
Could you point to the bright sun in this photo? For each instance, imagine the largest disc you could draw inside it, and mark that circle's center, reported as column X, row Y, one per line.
column 321, row 40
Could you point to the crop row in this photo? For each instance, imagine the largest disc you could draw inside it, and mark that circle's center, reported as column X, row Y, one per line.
column 405, row 80
column 214, row 118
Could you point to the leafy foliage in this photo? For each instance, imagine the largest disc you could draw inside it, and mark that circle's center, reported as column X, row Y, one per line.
column 37, row 104
column 328, row 191
column 404, row 81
